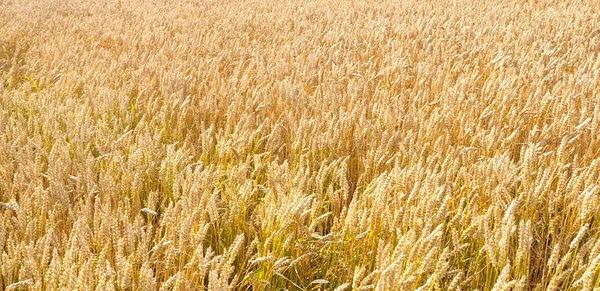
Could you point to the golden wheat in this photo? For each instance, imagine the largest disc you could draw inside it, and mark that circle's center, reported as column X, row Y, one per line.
column 299, row 145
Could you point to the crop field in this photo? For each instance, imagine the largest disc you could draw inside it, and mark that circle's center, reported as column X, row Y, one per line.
column 299, row 145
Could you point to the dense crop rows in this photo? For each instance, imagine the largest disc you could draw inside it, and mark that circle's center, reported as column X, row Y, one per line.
column 304, row 145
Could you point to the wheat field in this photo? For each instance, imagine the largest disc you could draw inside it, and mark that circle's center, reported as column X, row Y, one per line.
column 299, row 145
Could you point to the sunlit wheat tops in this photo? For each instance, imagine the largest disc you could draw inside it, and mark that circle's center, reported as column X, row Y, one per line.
column 299, row 145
